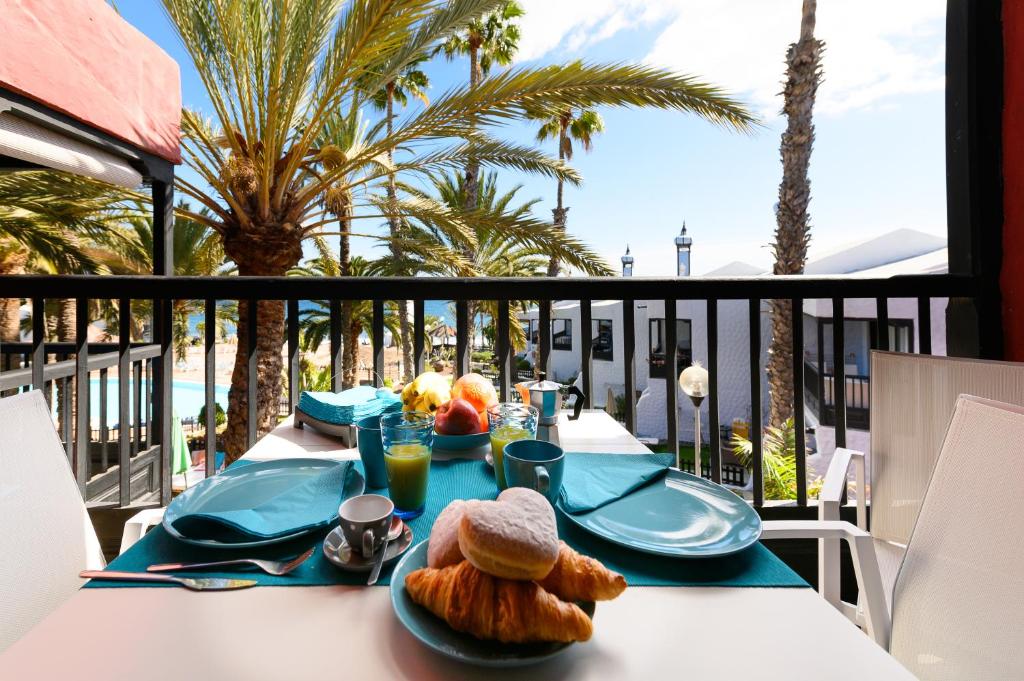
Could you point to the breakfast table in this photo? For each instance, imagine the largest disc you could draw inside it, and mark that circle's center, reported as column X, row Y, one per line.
column 351, row 632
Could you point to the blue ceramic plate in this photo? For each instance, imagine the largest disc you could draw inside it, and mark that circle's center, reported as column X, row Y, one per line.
column 681, row 516
column 458, row 443
column 248, row 486
column 435, row 633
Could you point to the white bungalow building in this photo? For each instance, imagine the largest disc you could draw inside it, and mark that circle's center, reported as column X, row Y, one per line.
column 903, row 251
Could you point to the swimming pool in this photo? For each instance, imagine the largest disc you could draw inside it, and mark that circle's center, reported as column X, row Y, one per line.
column 188, row 398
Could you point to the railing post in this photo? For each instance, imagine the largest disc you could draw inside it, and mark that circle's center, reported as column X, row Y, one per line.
column 137, row 406
column 104, row 422
column 882, row 314
column 715, row 439
column 124, row 329
column 756, row 435
column 924, row 319
column 587, row 353
column 839, row 368
column 418, row 336
column 164, row 380
column 252, row 363
column 504, row 347
column 378, row 343
column 336, row 349
column 797, row 318
column 671, row 375
column 209, row 385
column 38, row 343
column 82, row 431
column 629, row 362
column 462, row 340
column 293, row 354
column 544, row 329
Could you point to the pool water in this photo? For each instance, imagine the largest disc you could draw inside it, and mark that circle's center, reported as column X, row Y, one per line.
column 188, row 398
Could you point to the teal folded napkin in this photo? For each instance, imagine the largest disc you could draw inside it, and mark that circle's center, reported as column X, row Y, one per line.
column 304, row 506
column 593, row 480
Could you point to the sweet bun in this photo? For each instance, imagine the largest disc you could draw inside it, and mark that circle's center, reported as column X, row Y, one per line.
column 443, row 549
column 514, row 537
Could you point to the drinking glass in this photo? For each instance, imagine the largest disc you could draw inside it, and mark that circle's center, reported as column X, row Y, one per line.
column 408, row 438
column 507, row 422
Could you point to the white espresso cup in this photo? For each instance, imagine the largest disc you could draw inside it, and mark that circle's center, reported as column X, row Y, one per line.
column 365, row 521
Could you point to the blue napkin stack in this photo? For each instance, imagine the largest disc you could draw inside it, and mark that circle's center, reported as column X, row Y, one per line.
column 311, row 503
column 594, row 480
column 348, row 406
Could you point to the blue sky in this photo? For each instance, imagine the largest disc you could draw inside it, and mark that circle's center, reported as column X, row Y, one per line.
column 879, row 159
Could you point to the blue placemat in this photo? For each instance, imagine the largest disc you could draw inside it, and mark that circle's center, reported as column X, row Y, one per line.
column 462, row 479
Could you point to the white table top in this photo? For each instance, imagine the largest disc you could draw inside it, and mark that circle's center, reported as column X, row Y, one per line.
column 341, row 632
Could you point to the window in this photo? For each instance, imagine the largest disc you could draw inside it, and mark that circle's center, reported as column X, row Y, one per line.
column 684, row 349
column 602, row 335
column 561, row 334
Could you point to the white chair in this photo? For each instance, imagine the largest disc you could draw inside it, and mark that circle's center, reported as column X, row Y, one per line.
column 46, row 537
column 958, row 599
column 912, row 398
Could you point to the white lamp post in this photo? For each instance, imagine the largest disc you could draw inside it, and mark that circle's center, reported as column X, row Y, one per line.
column 694, row 382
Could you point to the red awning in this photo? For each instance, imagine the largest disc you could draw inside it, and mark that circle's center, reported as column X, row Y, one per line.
column 82, row 59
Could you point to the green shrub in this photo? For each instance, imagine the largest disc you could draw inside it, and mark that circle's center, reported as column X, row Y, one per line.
column 221, row 418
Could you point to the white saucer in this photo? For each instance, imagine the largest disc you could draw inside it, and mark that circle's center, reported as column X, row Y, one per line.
column 337, row 550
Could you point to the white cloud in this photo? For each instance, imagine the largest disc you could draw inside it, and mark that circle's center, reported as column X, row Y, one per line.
column 876, row 49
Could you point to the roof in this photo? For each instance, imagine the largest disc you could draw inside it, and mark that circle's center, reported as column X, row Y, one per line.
column 886, row 249
column 736, row 268
column 79, row 57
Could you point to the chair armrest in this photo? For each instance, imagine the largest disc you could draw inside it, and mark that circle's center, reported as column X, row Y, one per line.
column 138, row 524
column 865, row 564
column 834, row 485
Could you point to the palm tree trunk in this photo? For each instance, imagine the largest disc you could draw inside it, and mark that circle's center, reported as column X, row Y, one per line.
column 350, row 341
column 792, row 233
column 271, row 329
column 560, row 212
column 404, row 327
column 473, row 167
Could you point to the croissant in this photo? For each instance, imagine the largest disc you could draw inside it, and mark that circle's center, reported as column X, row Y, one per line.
column 576, row 577
column 488, row 607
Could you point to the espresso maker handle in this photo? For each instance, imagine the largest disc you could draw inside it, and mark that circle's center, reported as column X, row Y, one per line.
column 580, row 398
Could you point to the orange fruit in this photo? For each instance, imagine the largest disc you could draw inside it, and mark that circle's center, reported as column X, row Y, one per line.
column 476, row 390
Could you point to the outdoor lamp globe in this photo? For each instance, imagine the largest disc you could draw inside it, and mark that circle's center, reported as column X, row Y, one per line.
column 694, row 381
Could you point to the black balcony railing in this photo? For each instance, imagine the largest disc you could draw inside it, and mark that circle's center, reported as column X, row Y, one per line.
column 149, row 436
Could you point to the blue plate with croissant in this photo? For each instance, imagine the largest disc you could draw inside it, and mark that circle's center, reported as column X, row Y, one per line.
column 438, row 634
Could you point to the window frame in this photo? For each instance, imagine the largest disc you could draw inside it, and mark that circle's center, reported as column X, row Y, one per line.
column 598, row 353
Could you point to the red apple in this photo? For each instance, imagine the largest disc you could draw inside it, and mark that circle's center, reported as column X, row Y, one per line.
column 457, row 417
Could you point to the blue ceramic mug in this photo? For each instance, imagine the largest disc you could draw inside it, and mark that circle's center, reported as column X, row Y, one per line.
column 371, row 451
column 536, row 464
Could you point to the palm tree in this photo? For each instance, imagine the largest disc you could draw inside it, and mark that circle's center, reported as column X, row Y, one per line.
column 197, row 253
column 793, row 229
column 492, row 38
column 495, row 255
column 410, row 82
column 580, row 125
column 48, row 220
column 275, row 73
column 315, row 322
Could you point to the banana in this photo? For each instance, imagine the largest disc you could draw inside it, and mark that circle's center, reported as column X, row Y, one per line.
column 426, row 392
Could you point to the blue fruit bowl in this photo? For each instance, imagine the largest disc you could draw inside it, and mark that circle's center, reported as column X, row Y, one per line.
column 458, row 443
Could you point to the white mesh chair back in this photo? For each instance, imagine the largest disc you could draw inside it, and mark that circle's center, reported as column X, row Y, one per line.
column 958, row 605
column 46, row 537
column 912, row 398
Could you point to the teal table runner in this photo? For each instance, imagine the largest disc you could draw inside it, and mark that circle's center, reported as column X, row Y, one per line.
column 465, row 479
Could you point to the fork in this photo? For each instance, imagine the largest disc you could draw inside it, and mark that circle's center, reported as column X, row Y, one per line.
column 271, row 567
column 212, row 584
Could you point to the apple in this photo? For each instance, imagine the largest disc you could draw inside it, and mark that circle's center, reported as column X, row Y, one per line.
column 457, row 417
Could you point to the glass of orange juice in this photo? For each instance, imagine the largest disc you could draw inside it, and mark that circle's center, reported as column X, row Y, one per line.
column 507, row 422
column 408, row 438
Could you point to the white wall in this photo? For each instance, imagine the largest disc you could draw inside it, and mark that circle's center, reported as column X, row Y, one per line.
column 733, row 368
